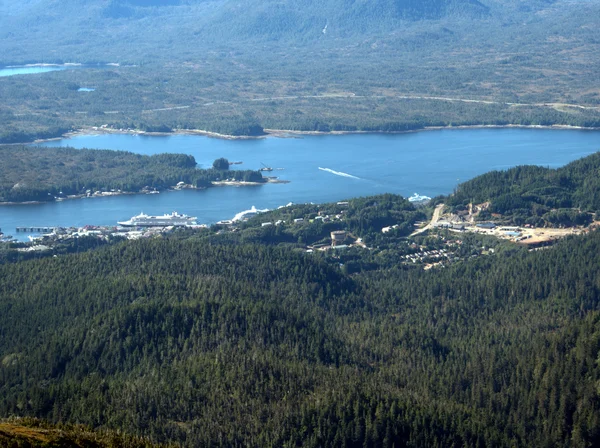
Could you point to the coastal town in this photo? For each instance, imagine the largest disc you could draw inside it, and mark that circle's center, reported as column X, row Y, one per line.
column 447, row 238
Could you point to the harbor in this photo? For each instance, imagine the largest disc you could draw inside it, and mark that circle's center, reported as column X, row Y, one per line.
column 430, row 163
column 58, row 235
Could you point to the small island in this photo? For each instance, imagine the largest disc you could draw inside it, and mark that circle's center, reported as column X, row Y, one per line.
column 35, row 174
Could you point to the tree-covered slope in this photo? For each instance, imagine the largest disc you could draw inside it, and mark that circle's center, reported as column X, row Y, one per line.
column 311, row 19
column 362, row 217
column 533, row 194
column 252, row 18
column 173, row 23
column 224, row 345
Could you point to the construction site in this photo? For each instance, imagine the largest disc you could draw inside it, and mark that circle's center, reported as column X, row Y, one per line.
column 466, row 221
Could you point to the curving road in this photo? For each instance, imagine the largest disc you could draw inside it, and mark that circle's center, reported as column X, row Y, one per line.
column 434, row 219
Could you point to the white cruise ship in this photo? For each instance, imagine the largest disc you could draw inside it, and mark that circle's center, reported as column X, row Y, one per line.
column 174, row 219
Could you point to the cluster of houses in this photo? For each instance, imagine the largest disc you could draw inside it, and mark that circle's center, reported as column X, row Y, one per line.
column 428, row 256
column 281, row 221
column 319, row 217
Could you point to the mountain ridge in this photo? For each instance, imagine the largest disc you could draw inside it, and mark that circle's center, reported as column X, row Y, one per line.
column 100, row 23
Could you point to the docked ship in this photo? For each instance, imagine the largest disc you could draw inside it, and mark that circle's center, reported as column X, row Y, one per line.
column 174, row 219
column 247, row 214
column 419, row 198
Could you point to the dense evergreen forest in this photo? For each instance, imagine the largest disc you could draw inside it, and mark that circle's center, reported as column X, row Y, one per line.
column 30, row 173
column 206, row 343
column 535, row 195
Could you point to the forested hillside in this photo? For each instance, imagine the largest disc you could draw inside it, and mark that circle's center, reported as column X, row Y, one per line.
column 537, row 195
column 363, row 217
column 226, row 19
column 247, row 345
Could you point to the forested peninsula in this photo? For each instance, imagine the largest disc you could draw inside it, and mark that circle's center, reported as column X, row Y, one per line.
column 30, row 173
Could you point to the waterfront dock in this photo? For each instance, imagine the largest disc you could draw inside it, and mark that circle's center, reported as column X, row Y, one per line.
column 36, row 229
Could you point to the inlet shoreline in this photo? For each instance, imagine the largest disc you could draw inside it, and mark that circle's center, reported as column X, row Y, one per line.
column 223, row 183
column 289, row 133
column 282, row 133
column 73, row 197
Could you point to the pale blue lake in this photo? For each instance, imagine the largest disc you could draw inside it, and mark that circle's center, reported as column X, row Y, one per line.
column 34, row 69
column 12, row 71
column 319, row 168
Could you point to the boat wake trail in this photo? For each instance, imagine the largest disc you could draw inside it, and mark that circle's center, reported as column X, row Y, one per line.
column 339, row 173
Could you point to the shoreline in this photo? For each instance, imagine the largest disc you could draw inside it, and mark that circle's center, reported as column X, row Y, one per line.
column 93, row 130
column 283, row 133
column 73, row 197
column 235, row 183
column 289, row 133
column 132, row 193
column 243, row 183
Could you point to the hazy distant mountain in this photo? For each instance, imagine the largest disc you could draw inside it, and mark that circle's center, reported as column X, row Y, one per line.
column 405, row 9
column 337, row 17
column 25, row 25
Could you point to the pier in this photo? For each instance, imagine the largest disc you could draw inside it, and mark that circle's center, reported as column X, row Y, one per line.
column 36, row 229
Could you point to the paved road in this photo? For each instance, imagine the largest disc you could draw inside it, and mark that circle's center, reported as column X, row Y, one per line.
column 435, row 218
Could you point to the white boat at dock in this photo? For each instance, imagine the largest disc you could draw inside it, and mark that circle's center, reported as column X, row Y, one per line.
column 174, row 219
column 419, row 198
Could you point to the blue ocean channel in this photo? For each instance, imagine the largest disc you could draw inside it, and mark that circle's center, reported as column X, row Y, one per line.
column 320, row 169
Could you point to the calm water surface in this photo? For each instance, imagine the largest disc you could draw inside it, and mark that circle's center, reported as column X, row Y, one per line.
column 11, row 71
column 319, row 168
column 35, row 69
